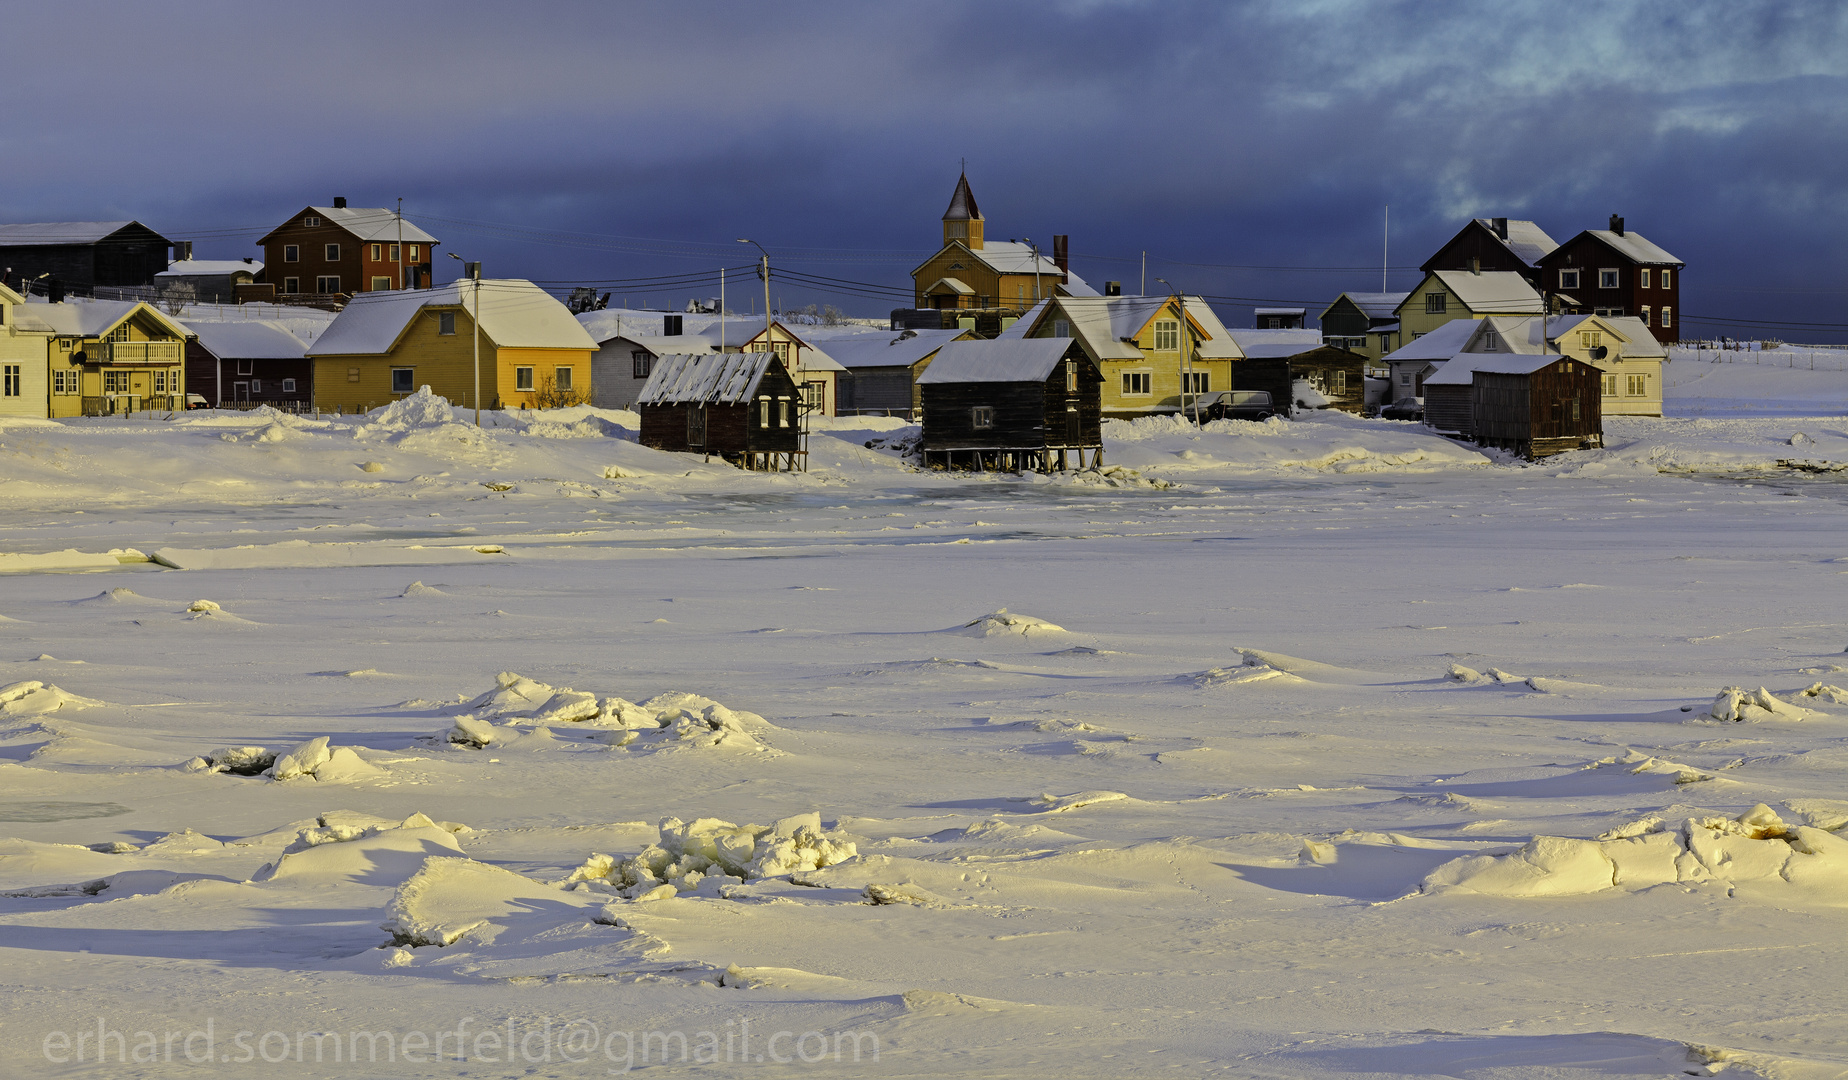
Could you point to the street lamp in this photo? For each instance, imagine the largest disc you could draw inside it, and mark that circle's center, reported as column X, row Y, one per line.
column 473, row 270
column 1185, row 341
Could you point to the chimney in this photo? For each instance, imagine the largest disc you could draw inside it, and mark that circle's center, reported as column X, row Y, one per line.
column 1616, row 224
column 340, row 202
column 248, row 259
column 1113, row 288
column 1501, row 227
column 1061, row 255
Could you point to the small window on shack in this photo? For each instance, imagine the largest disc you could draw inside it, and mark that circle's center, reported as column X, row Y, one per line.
column 982, row 417
column 1071, row 376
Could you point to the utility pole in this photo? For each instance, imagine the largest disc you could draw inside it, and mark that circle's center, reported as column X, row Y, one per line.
column 1385, row 247
column 1185, row 342
column 1144, row 290
column 473, row 270
column 721, row 309
column 400, row 248
column 763, row 271
column 1034, row 248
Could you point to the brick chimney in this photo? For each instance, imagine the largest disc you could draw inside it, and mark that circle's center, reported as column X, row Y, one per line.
column 1616, row 224
column 340, row 202
column 1061, row 255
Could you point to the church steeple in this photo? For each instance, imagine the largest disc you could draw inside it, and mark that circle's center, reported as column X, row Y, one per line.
column 963, row 221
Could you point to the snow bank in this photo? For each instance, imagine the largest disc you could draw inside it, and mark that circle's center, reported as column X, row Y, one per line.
column 707, row 854
column 33, row 698
column 450, row 896
column 671, row 719
column 1757, row 847
column 382, row 853
column 1006, row 622
column 1321, row 441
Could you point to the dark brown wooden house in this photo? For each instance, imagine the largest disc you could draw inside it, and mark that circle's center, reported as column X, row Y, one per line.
column 1615, row 272
column 249, row 362
column 742, row 407
column 1495, row 244
column 339, row 250
column 1324, row 377
column 1532, row 404
column 1015, row 403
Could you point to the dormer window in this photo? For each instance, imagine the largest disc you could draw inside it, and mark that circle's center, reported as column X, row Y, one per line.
column 311, row 222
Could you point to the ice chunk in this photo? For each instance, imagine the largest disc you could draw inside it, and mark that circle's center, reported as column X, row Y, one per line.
column 1006, row 622
column 707, row 854
column 303, row 760
column 1736, row 705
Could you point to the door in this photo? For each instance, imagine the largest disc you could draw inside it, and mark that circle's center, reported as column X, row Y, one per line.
column 240, row 392
column 1074, row 426
column 696, row 425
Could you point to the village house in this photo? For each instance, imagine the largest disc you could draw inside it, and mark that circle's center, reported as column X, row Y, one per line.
column 337, row 250
column 1149, row 365
column 1445, row 295
column 1303, row 376
column 108, row 357
column 1409, row 364
column 77, row 256
column 25, row 372
column 207, row 280
column 742, row 406
column 1278, row 318
column 880, row 376
column 248, row 362
column 1013, row 403
column 1618, row 273
column 1364, row 322
column 625, row 358
column 385, row 345
column 813, row 369
column 1509, row 389
column 1495, row 244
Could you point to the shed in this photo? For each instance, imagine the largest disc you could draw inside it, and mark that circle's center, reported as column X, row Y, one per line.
column 80, row 255
column 1318, row 377
column 1534, row 404
column 882, row 369
column 1016, row 403
column 207, row 280
column 743, row 407
column 249, row 362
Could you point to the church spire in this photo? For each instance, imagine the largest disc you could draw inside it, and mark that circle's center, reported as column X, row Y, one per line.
column 963, row 220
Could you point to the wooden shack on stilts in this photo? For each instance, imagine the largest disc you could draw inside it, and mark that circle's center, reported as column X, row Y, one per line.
column 1012, row 404
column 742, row 407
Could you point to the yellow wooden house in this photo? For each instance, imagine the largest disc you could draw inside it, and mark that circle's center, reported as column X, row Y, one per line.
column 814, row 371
column 972, row 271
column 25, row 375
column 1626, row 353
column 103, row 357
column 1445, row 295
column 385, row 345
column 1149, row 363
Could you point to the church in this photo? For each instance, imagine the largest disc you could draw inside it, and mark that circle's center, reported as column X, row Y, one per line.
column 997, row 277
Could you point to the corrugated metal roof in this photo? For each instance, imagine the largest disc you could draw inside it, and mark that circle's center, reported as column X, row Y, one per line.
column 889, row 350
column 249, row 339
column 1000, row 360
column 1374, row 305
column 514, row 314
column 1300, row 340
column 373, row 223
column 705, row 378
column 209, row 267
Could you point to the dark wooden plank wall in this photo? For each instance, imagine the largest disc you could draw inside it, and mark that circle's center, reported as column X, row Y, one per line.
column 1447, row 408
column 1089, row 398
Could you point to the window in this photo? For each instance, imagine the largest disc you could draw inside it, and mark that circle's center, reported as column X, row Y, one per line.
column 1405, row 378
column 381, row 284
column 1196, row 382
column 288, row 386
column 291, row 284
column 115, row 382
column 982, row 417
column 1568, row 279
column 375, row 253
column 401, row 379
column 256, row 386
column 244, row 367
column 311, row 222
column 1642, row 278
column 331, row 253
column 414, row 250
column 814, row 395
column 352, row 374
column 1385, row 344
column 160, row 382
column 63, row 382
column 1610, row 385
column 1061, row 328
column 291, row 253
column 644, row 363
column 1071, row 376
column 1666, row 321
column 446, row 323
column 1665, row 283
column 522, row 378
column 1340, row 382
column 1490, row 343
column 763, row 412
column 12, row 379
column 1167, row 335
column 561, row 378
column 329, row 283
column 120, row 333
column 1635, row 385
column 1575, row 408
column 696, row 425
column 1607, row 279
column 1590, row 339
column 394, row 253
column 1435, row 303
column 1644, row 314
column 782, row 412
column 1136, row 384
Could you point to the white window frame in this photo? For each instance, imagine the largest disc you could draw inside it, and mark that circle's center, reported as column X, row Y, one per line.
column 256, row 386
column 982, row 417
column 1667, row 318
column 311, row 222
column 1143, row 377
column 1061, row 328
column 1341, row 382
column 1608, row 384
column 1612, row 275
column 1643, row 313
column 1490, row 343
column 561, row 378
column 376, row 250
column 1167, row 335
column 291, row 285
column 330, row 252
column 246, row 367
column 763, row 412
column 642, row 365
column 1071, row 376
column 1437, row 303
column 288, row 386
column 1569, row 279
column 1196, row 382
column 1666, row 279
column 381, row 284
column 1636, row 385
column 394, row 252
column 14, row 377
column 414, row 254
column 523, row 380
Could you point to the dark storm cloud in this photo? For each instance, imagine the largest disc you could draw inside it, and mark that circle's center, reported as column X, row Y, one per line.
column 1231, row 134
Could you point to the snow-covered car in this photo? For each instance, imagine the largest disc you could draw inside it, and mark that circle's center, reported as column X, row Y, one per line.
column 1238, row 405
column 197, row 401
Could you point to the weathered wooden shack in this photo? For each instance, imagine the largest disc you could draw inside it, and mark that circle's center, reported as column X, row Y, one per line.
column 743, row 407
column 1533, row 405
column 1322, row 377
column 1014, row 403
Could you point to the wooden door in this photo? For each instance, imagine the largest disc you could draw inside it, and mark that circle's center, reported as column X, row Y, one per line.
column 696, row 425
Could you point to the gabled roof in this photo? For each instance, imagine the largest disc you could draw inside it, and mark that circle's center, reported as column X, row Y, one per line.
column 997, row 361
column 1298, row 339
column 681, row 345
column 962, row 202
column 1005, row 257
column 705, row 378
column 955, row 285
column 515, row 314
column 46, row 233
column 813, row 358
column 1440, row 344
column 1525, row 240
column 249, row 339
column 367, row 223
column 1633, row 246
column 94, row 318
column 1491, row 292
column 1374, row 305
column 890, row 350
column 1641, row 343
column 1272, row 350
column 1104, row 323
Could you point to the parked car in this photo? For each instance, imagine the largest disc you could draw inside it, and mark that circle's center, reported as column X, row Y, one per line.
column 1238, row 405
column 197, row 401
column 1403, row 409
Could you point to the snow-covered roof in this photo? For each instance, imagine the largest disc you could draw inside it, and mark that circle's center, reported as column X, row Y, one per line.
column 1104, row 322
column 1279, row 311
column 249, row 339
column 1635, row 246
column 1271, row 350
column 1013, row 257
column 1073, row 285
column 1525, row 241
column 682, row 344
column 93, row 318
column 1642, row 344
column 1299, row 339
column 1461, row 371
column 1440, row 344
column 1491, row 292
column 811, row 357
column 209, row 267
column 60, row 232
column 515, row 314
column 1019, row 327
column 888, row 349
column 704, row 378
column 955, row 285
column 1012, row 360
column 1374, row 305
column 372, row 223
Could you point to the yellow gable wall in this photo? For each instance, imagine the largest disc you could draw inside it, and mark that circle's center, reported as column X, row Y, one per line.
column 974, row 273
column 446, row 364
column 1415, row 321
column 1164, row 368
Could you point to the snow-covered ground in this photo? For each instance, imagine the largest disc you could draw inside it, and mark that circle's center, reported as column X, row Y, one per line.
column 1312, row 749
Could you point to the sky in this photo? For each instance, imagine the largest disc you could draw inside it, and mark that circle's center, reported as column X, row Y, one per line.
column 1250, row 149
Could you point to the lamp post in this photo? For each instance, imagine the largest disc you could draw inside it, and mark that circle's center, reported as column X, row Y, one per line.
column 473, row 270
column 1185, row 341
